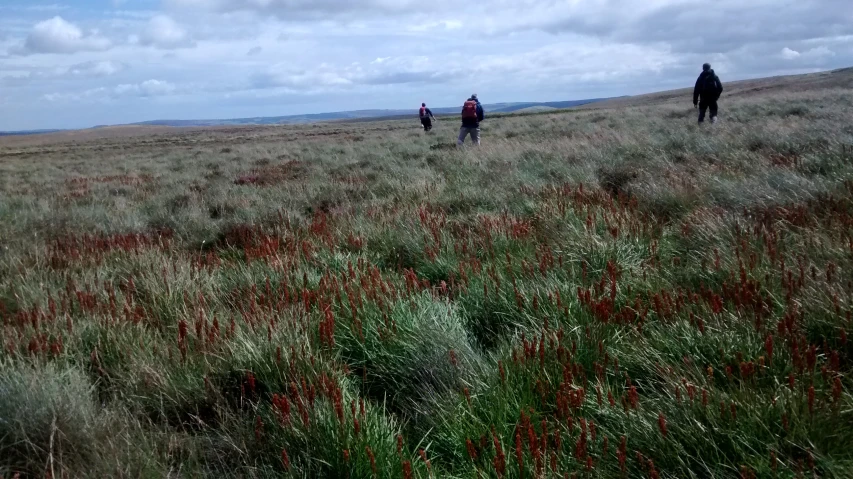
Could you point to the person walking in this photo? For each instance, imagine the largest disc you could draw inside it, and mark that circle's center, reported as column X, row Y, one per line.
column 426, row 117
column 706, row 93
column 472, row 115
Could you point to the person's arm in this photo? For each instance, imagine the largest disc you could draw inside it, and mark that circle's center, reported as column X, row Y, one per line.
column 719, row 87
column 429, row 113
column 481, row 115
column 696, row 90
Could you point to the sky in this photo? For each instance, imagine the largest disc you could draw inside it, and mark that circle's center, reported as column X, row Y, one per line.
column 81, row 63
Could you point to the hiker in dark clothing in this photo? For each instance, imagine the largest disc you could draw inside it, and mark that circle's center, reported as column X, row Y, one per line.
column 426, row 117
column 706, row 93
column 472, row 115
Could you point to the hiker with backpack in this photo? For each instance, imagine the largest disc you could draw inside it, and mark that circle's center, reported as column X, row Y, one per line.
column 426, row 117
column 706, row 93
column 472, row 115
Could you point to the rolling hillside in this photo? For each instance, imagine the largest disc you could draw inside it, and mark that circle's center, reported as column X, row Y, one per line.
column 365, row 114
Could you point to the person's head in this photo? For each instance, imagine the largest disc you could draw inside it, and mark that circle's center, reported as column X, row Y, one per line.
column 474, row 96
column 706, row 67
column 423, row 104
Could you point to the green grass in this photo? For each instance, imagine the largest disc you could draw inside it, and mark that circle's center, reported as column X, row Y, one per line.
column 485, row 310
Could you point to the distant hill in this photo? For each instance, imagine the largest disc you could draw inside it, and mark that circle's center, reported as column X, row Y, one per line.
column 838, row 78
column 360, row 115
column 26, row 132
column 536, row 109
column 341, row 116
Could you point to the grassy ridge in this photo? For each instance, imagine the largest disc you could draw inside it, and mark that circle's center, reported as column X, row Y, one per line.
column 605, row 293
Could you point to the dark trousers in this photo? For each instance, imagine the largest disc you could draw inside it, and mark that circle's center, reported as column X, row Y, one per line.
column 704, row 106
column 427, row 123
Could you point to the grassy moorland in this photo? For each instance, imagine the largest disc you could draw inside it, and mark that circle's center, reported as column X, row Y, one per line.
column 606, row 292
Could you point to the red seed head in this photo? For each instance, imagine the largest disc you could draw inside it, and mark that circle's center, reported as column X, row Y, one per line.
column 472, row 451
column 622, row 454
column 811, row 399
column 250, row 378
column 519, row 453
column 836, row 390
column 768, row 347
column 372, row 460
column 285, row 460
column 662, row 424
column 259, row 428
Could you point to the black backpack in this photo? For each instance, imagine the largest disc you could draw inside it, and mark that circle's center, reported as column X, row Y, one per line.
column 710, row 88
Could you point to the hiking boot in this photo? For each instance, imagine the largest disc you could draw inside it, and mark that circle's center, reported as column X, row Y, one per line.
column 713, row 120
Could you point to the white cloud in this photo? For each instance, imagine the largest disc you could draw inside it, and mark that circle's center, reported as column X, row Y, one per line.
column 59, row 36
column 92, row 93
column 148, row 88
column 590, row 63
column 428, row 27
column 58, row 74
column 789, row 54
column 307, row 7
column 15, row 79
column 37, row 8
column 164, row 32
column 254, row 51
column 812, row 55
column 97, row 68
column 286, row 76
column 819, row 52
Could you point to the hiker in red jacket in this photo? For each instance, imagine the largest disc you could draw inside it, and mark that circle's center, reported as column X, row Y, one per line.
column 472, row 115
column 426, row 117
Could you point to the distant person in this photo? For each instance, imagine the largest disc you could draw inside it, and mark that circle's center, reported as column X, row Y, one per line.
column 472, row 115
column 706, row 93
column 426, row 117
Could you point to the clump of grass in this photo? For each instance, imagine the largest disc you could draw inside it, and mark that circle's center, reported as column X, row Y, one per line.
column 422, row 354
column 50, row 421
column 616, row 180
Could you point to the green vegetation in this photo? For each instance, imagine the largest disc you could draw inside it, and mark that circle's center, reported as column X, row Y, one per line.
column 612, row 292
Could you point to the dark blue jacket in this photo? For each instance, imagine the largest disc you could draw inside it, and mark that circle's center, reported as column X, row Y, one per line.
column 481, row 115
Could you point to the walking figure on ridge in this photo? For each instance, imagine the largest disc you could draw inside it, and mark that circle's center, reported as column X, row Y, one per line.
column 472, row 115
column 706, row 93
column 426, row 117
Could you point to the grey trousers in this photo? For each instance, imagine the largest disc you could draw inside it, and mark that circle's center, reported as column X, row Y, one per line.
column 465, row 131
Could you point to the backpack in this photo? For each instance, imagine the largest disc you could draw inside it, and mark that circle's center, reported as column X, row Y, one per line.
column 710, row 87
column 469, row 110
column 423, row 112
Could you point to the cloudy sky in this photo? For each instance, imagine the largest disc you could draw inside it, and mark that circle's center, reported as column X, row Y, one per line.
column 79, row 63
